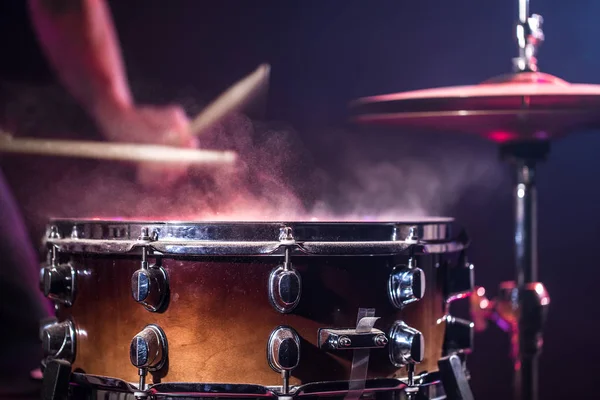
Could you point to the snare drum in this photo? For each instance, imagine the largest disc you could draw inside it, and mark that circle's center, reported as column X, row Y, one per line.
column 251, row 309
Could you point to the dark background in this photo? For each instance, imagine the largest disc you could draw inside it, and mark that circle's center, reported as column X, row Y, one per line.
column 326, row 53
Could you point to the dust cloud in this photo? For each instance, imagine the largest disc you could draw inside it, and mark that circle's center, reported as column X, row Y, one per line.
column 281, row 174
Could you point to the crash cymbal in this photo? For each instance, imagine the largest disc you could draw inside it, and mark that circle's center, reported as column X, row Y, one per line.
column 513, row 107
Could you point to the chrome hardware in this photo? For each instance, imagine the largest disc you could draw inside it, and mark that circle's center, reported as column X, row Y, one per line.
column 459, row 335
column 460, row 281
column 350, row 339
column 41, row 277
column 148, row 348
column 58, row 283
column 283, row 349
column 285, row 286
column 411, row 389
column 406, row 285
column 412, row 236
column 381, row 340
column 286, row 235
column 58, row 340
column 529, row 38
column 283, row 352
column 148, row 351
column 53, row 232
column 45, row 323
column 428, row 383
column 284, row 289
column 147, row 236
column 262, row 238
column 150, row 285
column 407, row 345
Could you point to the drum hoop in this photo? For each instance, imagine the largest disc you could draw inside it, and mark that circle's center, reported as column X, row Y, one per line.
column 248, row 390
column 249, row 238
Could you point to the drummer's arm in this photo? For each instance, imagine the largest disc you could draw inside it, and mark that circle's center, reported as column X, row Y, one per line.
column 80, row 42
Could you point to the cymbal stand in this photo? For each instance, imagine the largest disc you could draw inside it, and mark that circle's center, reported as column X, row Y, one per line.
column 522, row 305
column 529, row 299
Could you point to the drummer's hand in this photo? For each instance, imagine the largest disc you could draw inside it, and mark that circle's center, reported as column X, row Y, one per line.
column 167, row 126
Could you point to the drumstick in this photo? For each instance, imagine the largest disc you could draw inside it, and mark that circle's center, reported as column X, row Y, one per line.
column 114, row 151
column 231, row 99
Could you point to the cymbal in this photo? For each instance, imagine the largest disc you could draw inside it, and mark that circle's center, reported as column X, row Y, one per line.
column 507, row 108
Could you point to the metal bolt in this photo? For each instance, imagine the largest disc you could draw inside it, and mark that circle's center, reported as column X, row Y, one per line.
column 286, row 234
column 149, row 236
column 345, row 341
column 380, row 340
column 412, row 234
column 53, row 233
column 145, row 235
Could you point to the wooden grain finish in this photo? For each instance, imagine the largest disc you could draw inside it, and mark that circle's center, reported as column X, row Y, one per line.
column 219, row 317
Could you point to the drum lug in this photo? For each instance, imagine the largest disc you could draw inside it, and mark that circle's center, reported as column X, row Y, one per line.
column 57, row 281
column 148, row 351
column 406, row 284
column 58, row 340
column 283, row 353
column 407, row 345
column 150, row 283
column 285, row 286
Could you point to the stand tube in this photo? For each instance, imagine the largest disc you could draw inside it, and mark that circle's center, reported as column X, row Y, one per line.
column 526, row 223
column 526, row 366
column 524, row 158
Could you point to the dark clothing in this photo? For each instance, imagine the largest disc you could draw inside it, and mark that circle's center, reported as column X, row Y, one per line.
column 22, row 304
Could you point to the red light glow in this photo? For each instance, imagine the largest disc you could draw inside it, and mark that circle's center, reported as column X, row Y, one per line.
column 502, row 136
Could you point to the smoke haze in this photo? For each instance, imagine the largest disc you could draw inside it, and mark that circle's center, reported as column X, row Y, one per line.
column 280, row 175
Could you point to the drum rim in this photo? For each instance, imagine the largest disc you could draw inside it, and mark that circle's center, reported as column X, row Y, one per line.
column 199, row 389
column 255, row 238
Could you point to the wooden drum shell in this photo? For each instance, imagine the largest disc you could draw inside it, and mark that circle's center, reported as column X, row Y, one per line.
column 219, row 316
